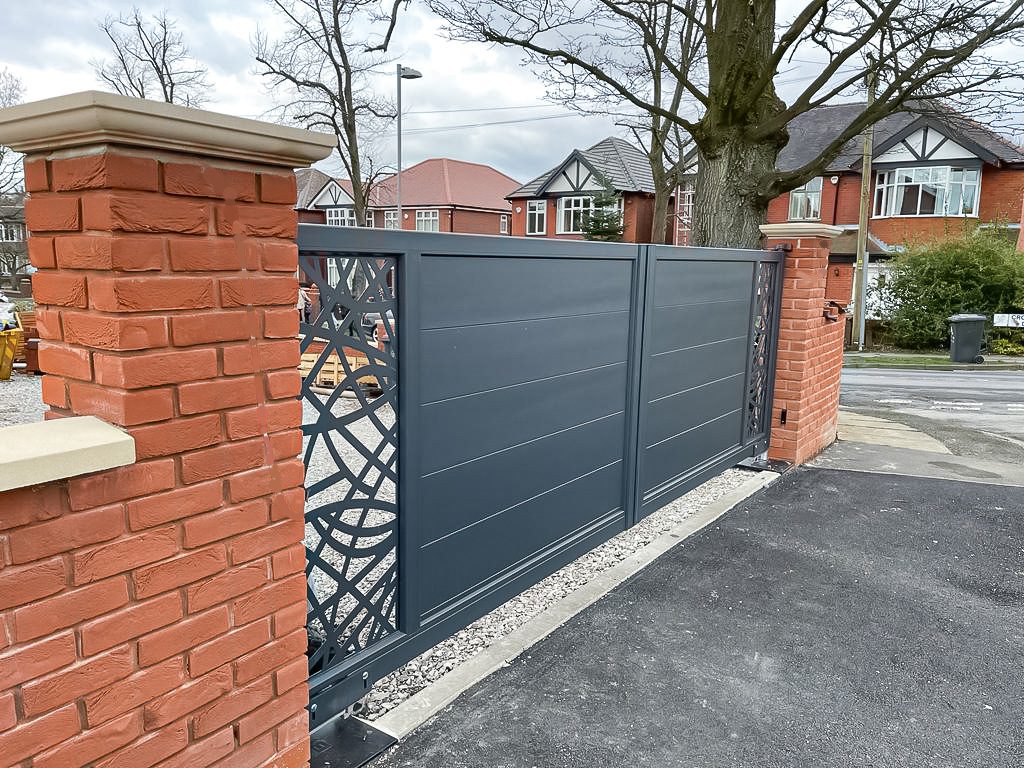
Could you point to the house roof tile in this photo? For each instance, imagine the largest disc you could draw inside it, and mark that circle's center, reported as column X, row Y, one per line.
column 442, row 181
column 625, row 167
column 812, row 131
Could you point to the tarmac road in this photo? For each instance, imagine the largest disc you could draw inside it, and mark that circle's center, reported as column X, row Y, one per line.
column 978, row 414
column 833, row 619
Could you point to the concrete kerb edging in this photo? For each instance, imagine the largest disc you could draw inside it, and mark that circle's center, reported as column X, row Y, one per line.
column 412, row 713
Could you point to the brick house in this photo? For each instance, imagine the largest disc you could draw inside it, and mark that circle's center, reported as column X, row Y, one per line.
column 555, row 203
column 438, row 195
column 935, row 177
column 14, row 277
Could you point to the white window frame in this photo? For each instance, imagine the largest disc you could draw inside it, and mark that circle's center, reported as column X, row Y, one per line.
column 576, row 207
column 894, row 184
column 12, row 232
column 369, row 219
column 537, row 216
column 341, row 216
column 805, row 201
column 430, row 219
column 391, row 219
column 503, row 224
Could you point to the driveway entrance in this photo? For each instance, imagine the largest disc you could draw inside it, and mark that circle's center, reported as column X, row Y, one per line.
column 835, row 618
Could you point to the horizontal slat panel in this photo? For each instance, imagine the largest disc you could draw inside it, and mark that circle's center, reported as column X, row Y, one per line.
column 690, row 282
column 688, row 326
column 461, row 361
column 683, row 369
column 681, row 412
column 460, row 563
column 459, row 291
column 465, row 428
column 468, row 493
column 680, row 454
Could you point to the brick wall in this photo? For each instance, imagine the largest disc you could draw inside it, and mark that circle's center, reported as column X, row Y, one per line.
column 154, row 614
column 810, row 353
column 839, row 282
column 477, row 222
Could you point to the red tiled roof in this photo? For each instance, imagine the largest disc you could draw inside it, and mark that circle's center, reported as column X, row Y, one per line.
column 442, row 181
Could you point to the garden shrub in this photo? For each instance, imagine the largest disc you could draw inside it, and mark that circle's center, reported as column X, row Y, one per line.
column 982, row 274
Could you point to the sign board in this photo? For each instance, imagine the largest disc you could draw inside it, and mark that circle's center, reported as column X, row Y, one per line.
column 1008, row 321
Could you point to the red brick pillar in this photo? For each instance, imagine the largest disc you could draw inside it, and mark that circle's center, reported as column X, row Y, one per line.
column 810, row 353
column 153, row 614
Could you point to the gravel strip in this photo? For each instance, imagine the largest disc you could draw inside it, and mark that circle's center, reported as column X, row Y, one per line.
column 442, row 658
column 21, row 400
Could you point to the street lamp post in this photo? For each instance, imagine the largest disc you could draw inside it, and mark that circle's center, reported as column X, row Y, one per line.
column 401, row 73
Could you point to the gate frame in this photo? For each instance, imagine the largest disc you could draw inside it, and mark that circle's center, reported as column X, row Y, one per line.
column 336, row 687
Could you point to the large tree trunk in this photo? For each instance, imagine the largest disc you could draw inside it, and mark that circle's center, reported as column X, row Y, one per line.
column 731, row 191
column 728, row 210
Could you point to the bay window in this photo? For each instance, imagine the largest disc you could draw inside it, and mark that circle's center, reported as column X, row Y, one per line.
column 572, row 213
column 938, row 190
column 805, row 201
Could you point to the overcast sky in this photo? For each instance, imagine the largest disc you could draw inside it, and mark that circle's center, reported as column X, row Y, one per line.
column 49, row 43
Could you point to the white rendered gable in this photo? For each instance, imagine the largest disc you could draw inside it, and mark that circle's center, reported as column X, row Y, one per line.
column 574, row 176
column 332, row 195
column 925, row 144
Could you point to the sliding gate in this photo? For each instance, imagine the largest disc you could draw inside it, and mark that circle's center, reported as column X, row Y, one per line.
column 535, row 398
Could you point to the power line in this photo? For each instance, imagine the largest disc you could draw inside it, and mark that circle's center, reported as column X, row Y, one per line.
column 444, row 128
column 477, row 109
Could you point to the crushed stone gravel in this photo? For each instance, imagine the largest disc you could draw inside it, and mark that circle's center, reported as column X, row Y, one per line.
column 21, row 400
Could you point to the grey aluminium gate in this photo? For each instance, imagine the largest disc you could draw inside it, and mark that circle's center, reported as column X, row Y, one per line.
column 537, row 397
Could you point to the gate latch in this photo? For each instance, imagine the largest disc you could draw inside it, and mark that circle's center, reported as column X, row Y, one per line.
column 833, row 311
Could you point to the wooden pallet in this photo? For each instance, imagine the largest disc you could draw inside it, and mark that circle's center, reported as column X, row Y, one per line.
column 28, row 327
column 332, row 372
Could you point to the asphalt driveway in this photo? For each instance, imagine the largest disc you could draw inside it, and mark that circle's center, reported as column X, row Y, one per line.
column 834, row 619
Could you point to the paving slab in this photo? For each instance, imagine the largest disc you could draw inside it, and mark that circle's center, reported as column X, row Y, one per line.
column 865, row 457
column 860, row 428
column 833, row 619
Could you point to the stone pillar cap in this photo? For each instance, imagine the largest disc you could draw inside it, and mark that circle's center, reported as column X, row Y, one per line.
column 94, row 118
column 795, row 229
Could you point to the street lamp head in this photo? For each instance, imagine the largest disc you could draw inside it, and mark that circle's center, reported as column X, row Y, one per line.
column 408, row 73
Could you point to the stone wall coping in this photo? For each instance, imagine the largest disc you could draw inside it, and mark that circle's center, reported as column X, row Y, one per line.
column 59, row 448
column 793, row 229
column 95, row 118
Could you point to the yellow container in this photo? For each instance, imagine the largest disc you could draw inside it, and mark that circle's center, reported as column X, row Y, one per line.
column 8, row 344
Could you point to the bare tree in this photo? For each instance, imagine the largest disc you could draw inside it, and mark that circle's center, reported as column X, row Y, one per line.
column 621, row 49
column 151, row 61
column 922, row 55
column 11, row 92
column 319, row 71
column 13, row 254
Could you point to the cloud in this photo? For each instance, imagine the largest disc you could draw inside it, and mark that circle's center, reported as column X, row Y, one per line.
column 50, row 44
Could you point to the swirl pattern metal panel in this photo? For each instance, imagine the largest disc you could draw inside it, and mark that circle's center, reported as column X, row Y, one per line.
column 350, row 436
column 761, row 374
